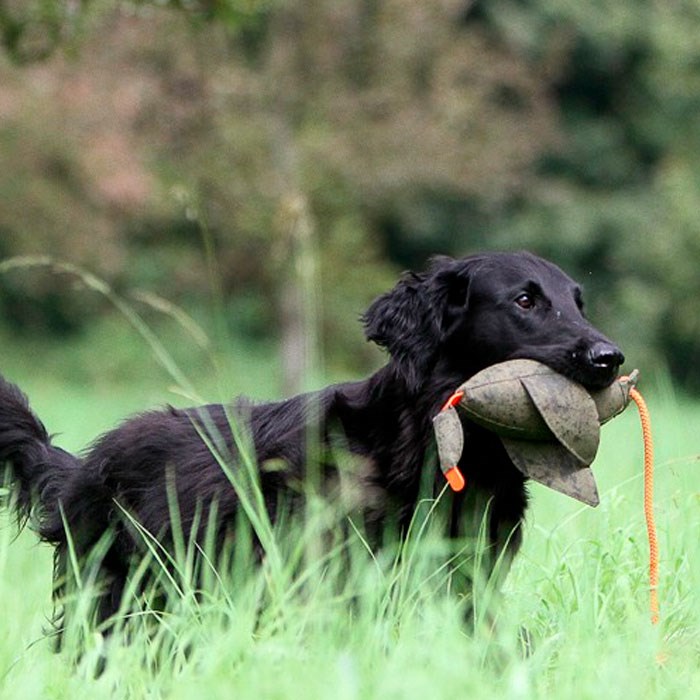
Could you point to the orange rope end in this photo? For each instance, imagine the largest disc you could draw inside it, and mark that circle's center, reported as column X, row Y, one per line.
column 453, row 400
column 649, row 504
column 455, row 479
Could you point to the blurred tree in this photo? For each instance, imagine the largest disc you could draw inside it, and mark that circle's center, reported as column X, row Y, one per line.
column 355, row 107
column 353, row 110
column 400, row 130
column 31, row 30
column 617, row 201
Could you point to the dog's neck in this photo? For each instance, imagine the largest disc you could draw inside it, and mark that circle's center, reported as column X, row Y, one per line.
column 391, row 419
column 386, row 420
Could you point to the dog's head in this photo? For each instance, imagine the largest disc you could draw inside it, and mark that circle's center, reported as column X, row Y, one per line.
column 464, row 315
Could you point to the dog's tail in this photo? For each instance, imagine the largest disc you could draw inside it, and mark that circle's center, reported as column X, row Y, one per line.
column 35, row 470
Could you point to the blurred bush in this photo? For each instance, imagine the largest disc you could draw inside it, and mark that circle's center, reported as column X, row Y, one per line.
column 145, row 137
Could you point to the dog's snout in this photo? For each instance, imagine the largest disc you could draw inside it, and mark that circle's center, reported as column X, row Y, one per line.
column 605, row 355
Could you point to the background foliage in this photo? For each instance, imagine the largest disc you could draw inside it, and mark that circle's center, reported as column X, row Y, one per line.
column 276, row 163
column 134, row 136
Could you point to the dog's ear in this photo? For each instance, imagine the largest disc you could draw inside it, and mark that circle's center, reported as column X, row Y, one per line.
column 416, row 316
column 403, row 321
column 449, row 293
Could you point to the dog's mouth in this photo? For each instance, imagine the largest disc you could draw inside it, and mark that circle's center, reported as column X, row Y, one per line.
column 593, row 366
column 602, row 381
column 591, row 378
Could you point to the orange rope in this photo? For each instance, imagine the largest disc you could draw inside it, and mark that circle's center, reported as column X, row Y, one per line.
column 649, row 504
column 645, row 420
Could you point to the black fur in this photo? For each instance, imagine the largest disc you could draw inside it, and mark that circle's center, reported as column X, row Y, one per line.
column 439, row 328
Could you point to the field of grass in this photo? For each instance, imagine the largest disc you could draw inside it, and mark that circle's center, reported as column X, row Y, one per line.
column 380, row 629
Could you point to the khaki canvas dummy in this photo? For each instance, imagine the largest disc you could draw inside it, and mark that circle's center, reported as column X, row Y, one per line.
column 549, row 425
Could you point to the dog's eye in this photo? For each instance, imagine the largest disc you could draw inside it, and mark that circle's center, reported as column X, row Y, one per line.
column 525, row 301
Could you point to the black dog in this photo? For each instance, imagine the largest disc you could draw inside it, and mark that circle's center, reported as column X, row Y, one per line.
column 439, row 328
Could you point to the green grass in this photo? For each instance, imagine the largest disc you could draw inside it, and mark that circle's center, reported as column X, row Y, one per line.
column 384, row 628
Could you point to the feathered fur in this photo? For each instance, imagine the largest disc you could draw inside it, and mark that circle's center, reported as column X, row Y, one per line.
column 439, row 327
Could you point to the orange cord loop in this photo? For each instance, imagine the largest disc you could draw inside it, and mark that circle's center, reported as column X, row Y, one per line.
column 457, row 482
column 645, row 419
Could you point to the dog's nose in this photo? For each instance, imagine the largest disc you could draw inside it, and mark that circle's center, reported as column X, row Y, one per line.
column 604, row 355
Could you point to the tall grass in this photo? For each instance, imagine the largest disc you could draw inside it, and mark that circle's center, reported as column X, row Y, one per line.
column 332, row 619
